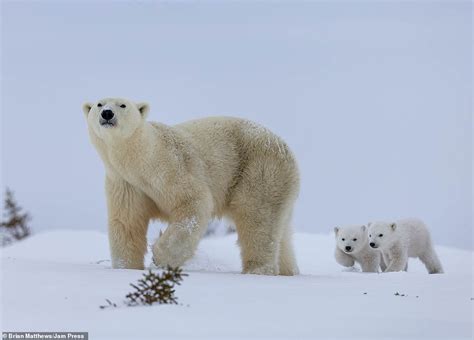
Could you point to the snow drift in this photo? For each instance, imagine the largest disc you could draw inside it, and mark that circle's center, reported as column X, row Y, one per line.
column 56, row 281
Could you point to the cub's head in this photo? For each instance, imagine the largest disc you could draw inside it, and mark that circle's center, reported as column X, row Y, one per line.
column 115, row 117
column 351, row 239
column 382, row 234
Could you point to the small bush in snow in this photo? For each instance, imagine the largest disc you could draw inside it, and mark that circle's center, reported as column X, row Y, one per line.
column 15, row 226
column 156, row 288
column 153, row 288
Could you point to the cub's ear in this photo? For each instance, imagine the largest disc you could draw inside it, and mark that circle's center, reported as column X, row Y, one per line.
column 393, row 226
column 336, row 230
column 86, row 107
column 144, row 108
column 363, row 228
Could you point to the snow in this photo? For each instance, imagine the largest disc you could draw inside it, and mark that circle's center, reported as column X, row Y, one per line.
column 55, row 281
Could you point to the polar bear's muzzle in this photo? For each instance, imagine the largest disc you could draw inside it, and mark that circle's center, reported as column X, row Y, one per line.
column 373, row 245
column 107, row 118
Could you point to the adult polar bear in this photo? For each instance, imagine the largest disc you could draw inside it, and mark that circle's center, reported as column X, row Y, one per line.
column 187, row 174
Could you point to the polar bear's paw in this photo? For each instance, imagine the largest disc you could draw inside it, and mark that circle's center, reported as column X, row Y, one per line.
column 289, row 271
column 261, row 270
column 162, row 259
column 164, row 255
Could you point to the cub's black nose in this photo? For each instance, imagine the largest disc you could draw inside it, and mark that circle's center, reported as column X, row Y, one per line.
column 348, row 248
column 107, row 114
column 372, row 244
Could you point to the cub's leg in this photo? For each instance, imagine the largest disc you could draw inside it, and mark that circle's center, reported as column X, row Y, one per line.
column 431, row 261
column 343, row 259
column 383, row 262
column 398, row 260
column 129, row 212
column 370, row 265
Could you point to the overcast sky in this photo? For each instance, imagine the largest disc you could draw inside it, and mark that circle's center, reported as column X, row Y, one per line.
column 374, row 98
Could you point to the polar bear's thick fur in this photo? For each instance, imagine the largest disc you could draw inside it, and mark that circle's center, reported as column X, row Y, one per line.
column 401, row 240
column 352, row 245
column 187, row 174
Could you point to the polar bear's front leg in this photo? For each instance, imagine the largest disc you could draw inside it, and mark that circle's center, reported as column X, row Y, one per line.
column 342, row 258
column 398, row 260
column 370, row 264
column 128, row 214
column 180, row 240
column 383, row 262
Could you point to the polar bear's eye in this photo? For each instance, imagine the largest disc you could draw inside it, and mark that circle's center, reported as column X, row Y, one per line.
column 99, row 105
column 123, row 106
column 380, row 235
column 354, row 239
column 343, row 239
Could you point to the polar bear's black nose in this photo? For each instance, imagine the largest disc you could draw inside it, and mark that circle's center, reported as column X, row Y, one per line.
column 372, row 244
column 107, row 114
column 348, row 248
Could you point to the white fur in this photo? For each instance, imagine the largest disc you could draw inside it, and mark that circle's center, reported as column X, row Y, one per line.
column 356, row 238
column 403, row 239
column 186, row 175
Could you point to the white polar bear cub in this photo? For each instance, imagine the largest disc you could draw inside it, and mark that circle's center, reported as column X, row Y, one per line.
column 401, row 240
column 187, row 174
column 352, row 245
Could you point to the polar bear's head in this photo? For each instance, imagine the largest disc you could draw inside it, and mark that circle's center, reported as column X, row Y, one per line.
column 115, row 117
column 382, row 234
column 351, row 239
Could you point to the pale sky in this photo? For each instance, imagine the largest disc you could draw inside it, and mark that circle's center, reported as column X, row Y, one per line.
column 375, row 99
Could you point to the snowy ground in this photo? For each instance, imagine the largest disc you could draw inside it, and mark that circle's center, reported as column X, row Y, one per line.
column 56, row 281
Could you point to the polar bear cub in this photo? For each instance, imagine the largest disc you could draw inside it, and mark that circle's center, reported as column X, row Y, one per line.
column 352, row 245
column 401, row 240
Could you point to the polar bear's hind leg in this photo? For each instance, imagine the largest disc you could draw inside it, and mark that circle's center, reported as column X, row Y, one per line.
column 261, row 207
column 259, row 244
column 287, row 260
column 431, row 261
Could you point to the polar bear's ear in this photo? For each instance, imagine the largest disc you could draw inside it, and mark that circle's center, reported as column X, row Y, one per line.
column 336, row 230
column 363, row 228
column 393, row 226
column 144, row 108
column 86, row 107
column 368, row 224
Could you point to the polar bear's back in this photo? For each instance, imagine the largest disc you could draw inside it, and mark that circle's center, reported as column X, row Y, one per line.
column 234, row 149
column 416, row 235
column 236, row 135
